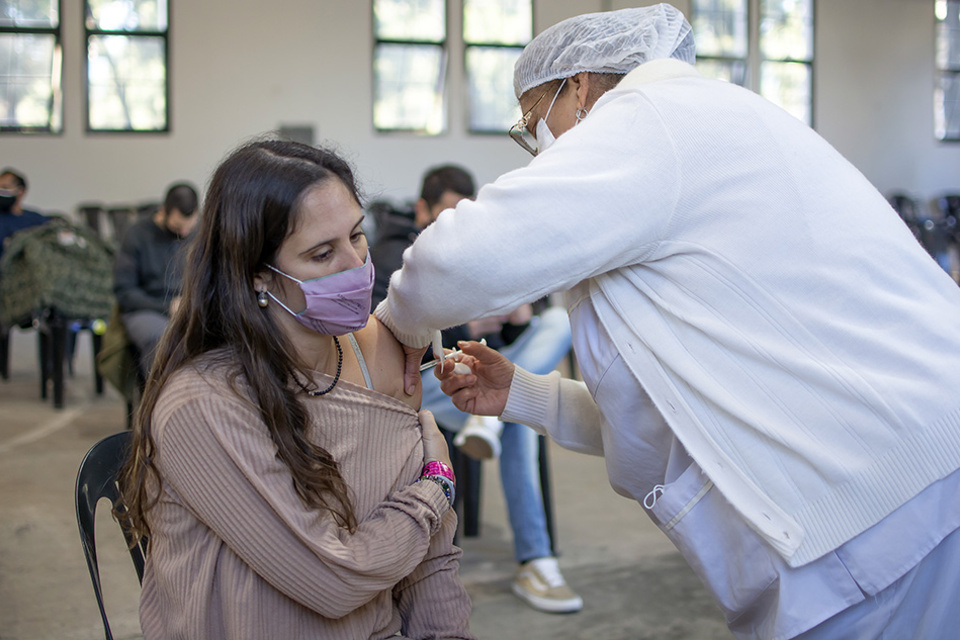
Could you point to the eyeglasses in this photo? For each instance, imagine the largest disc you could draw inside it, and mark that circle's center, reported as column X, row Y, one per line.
column 521, row 135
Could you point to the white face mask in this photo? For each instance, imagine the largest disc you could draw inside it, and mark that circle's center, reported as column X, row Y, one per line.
column 545, row 137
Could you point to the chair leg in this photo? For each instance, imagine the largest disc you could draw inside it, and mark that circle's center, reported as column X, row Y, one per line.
column 4, row 353
column 547, row 493
column 43, row 349
column 470, row 480
column 58, row 332
column 97, row 340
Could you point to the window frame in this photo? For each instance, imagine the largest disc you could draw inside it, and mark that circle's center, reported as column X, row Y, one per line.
column 441, row 44
column 943, row 72
column 467, row 46
column 163, row 34
column 55, row 124
column 754, row 60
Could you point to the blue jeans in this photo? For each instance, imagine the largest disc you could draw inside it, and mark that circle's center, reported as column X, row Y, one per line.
column 539, row 349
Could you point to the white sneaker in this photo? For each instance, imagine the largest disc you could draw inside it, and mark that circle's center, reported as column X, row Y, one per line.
column 480, row 437
column 540, row 584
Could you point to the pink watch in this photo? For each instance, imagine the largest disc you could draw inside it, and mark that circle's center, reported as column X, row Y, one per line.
column 437, row 468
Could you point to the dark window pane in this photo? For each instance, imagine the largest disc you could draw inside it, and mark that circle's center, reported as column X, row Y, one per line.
column 507, row 22
column 948, row 35
column 408, row 87
column 126, row 83
column 30, row 82
column 947, row 106
column 721, row 27
column 35, row 14
column 786, row 29
column 420, row 20
column 734, row 71
column 788, row 84
column 493, row 107
column 127, row 15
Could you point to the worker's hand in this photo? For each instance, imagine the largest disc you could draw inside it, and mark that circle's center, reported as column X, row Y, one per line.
column 434, row 444
column 411, row 368
column 485, row 389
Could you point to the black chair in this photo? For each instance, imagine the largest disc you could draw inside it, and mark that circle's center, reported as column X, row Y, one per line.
column 469, row 473
column 121, row 218
column 97, row 479
column 91, row 213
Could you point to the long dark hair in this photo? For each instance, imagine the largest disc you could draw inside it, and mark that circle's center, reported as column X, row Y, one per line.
column 251, row 206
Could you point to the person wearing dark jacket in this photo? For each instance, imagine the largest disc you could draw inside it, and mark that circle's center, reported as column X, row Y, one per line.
column 13, row 216
column 147, row 272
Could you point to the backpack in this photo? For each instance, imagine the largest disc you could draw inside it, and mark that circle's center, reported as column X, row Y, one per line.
column 57, row 266
column 117, row 358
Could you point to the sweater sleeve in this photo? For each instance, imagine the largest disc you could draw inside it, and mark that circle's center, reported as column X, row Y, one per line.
column 432, row 600
column 217, row 458
column 600, row 198
column 558, row 407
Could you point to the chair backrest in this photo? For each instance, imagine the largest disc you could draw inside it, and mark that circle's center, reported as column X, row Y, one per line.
column 97, row 479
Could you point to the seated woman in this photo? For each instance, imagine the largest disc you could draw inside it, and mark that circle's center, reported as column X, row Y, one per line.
column 277, row 462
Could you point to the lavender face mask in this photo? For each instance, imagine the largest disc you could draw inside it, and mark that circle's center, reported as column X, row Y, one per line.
column 336, row 304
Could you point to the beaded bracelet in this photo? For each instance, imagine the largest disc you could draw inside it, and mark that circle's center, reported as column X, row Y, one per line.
column 449, row 490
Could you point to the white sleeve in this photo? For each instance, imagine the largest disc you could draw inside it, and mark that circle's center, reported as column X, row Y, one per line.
column 598, row 199
column 558, row 407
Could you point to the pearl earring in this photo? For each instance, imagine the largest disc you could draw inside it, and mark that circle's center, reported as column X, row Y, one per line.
column 262, row 299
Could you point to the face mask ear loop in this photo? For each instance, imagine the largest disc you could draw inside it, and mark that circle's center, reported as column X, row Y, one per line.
column 272, row 268
column 285, row 307
column 275, row 298
column 550, row 108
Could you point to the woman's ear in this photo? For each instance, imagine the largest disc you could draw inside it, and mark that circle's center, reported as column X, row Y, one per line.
column 581, row 83
column 262, row 280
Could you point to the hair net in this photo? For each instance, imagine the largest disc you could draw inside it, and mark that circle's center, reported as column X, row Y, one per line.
column 606, row 42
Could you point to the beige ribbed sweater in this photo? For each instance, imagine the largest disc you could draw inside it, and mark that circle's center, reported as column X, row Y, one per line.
column 235, row 554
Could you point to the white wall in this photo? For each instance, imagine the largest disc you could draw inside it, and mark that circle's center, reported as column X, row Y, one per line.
column 240, row 68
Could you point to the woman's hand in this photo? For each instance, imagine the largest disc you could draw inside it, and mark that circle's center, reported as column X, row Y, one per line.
column 411, row 368
column 485, row 389
column 434, row 444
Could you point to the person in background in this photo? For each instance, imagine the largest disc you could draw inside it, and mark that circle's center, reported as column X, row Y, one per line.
column 148, row 268
column 13, row 216
column 287, row 485
column 765, row 362
column 540, row 342
column 395, row 231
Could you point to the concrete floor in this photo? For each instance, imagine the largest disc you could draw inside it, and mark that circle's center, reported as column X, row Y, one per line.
column 634, row 584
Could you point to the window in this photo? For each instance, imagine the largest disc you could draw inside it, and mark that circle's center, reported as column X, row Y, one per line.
column 494, row 34
column 409, row 65
column 127, row 53
column 30, row 66
column 411, row 49
column 764, row 45
column 946, row 95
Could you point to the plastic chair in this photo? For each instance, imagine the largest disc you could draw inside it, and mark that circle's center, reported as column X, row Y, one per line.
column 469, row 473
column 97, row 479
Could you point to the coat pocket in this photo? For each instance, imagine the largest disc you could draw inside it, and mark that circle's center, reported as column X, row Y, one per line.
column 731, row 560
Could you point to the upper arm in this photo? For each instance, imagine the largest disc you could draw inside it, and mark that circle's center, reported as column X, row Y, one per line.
column 385, row 360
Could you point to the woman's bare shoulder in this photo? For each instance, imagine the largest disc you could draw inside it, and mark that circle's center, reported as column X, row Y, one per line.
column 385, row 360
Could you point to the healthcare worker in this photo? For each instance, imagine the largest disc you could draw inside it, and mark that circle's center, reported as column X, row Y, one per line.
column 769, row 358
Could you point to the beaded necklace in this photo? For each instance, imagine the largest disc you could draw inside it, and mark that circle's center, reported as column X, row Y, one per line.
column 336, row 378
